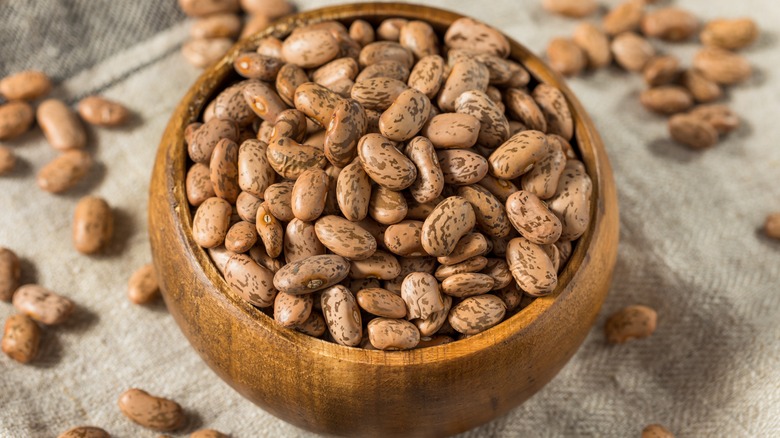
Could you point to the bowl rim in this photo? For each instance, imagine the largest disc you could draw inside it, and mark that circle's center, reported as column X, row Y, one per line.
column 589, row 143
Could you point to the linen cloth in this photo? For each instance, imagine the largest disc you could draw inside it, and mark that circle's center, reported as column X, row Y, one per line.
column 690, row 247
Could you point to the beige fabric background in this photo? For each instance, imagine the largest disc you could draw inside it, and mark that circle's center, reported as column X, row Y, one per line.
column 690, row 247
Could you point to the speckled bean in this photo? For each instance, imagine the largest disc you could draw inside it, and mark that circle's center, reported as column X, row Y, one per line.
column 353, row 191
column 84, row 432
column 381, row 302
column 279, row 200
column 468, row 33
column 393, row 334
column 571, row 202
column 289, row 77
column 207, row 136
column 10, row 273
column 97, row 110
column 250, row 281
column 556, row 110
column 211, row 221
column 518, row 154
column 309, row 193
column 466, row 74
column 241, row 236
column 467, row 284
column 452, row 130
column 310, row 48
column 345, row 238
column 384, row 163
column 405, row 116
column 494, row 126
column 462, row 166
column 61, row 125
column 532, row 269
column 269, row 230
column 477, row 314
column 474, row 264
column 422, row 295
column 317, row 102
column 143, row 286
column 42, row 304
column 223, row 170
column 292, row 310
column 262, row 99
column 498, row 269
column 632, row 322
column 342, row 315
column 290, row 158
column 531, row 217
column 404, row 239
column 447, row 223
column 489, row 211
column 348, row 123
column 152, row 412
column 300, row 241
column 470, row 245
column 16, row 118
column 25, row 85
column 93, row 225
column 21, row 338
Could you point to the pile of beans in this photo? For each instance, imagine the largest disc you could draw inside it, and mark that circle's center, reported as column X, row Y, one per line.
column 685, row 93
column 391, row 190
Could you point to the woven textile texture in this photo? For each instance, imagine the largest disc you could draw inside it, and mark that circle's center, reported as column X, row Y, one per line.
column 691, row 245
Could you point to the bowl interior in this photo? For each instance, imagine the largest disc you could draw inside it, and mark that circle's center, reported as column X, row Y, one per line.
column 586, row 142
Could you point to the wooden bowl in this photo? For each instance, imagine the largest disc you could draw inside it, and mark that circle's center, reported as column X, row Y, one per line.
column 328, row 388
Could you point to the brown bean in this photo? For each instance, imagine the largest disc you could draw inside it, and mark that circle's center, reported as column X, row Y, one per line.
column 498, row 270
column 511, row 295
column 468, row 33
column 428, row 75
column 300, row 241
column 93, row 225
column 261, row 257
column 571, row 202
column 201, row 8
column 385, row 50
column 571, row 8
column 404, row 238
column 661, row 70
column 670, row 24
column 207, row 433
column 448, row 222
column 42, row 304
column 380, row 265
column 10, row 273
column 656, row 431
column 489, row 211
column 466, row 74
column 362, row 32
column 21, row 338
column 342, row 315
column 261, row 99
column 384, row 69
column 624, row 17
column 722, row 66
column 252, row 65
column 522, row 106
column 467, row 284
column 462, row 166
column 353, row 191
column 292, row 310
column 632, row 322
column 241, row 237
column 470, row 245
column 501, row 71
column 270, row 231
column 729, row 34
column 405, row 116
column 311, row 274
column 198, row 184
column 387, row 206
column 211, row 221
column 702, row 89
column 348, row 123
column 223, row 170
column 250, row 281
column 422, row 295
column 288, row 79
column 518, row 154
column 530, row 216
column 434, row 322
column 310, row 48
column 566, row 57
column 494, row 126
column 97, row 110
column 290, row 158
column 452, row 130
column 474, row 264
column 207, row 136
column 314, row 326
column 60, row 125
column 16, row 118
column 393, row 334
column 666, row 99
column 222, row 25
column 279, row 200
column 64, row 172
column 384, row 163
column 771, row 226
column 345, row 238
column 553, row 104
column 309, row 193
column 718, row 116
column 377, row 93
column 692, row 131
column 151, row 412
column 477, row 314
column 84, row 432
column 631, row 51
column 317, row 102
column 247, row 205
column 25, row 85
column 202, row 52
column 381, row 302
column 532, row 269
column 500, row 188
column 143, row 286
column 542, row 179
column 594, row 43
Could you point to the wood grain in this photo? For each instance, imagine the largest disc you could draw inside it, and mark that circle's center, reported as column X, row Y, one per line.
column 328, row 388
